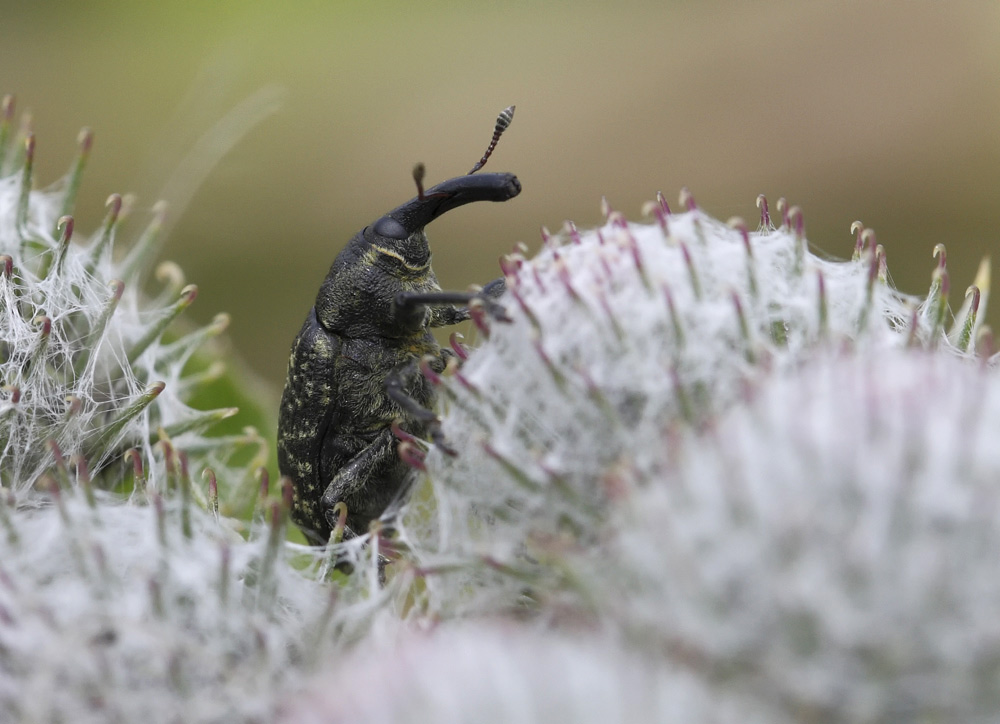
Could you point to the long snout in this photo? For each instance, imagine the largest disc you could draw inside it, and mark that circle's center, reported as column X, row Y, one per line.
column 447, row 195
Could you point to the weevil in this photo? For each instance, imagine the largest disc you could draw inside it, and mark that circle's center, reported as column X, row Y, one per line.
column 354, row 366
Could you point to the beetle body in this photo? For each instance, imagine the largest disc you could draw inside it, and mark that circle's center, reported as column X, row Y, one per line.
column 370, row 326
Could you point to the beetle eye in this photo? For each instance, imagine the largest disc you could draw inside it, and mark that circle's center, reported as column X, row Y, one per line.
column 390, row 228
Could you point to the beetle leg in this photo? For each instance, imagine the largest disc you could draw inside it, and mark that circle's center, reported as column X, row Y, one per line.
column 444, row 313
column 395, row 386
column 355, row 483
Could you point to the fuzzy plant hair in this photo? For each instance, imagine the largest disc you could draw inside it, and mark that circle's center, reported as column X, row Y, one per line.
column 703, row 474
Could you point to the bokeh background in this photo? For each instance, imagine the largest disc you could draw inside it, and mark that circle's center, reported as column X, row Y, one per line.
column 887, row 112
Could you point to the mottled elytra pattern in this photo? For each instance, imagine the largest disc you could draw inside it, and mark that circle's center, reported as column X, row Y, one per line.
column 354, row 365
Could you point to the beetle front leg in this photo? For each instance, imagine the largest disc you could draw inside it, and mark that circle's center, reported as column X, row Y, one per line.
column 444, row 311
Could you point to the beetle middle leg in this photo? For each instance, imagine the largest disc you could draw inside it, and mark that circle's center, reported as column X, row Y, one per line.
column 396, row 385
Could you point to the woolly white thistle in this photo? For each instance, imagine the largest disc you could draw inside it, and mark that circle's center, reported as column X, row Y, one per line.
column 680, row 430
column 620, row 336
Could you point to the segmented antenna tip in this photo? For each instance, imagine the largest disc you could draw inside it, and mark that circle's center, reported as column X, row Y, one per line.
column 503, row 122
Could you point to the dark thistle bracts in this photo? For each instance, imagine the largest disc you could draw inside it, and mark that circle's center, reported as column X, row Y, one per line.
column 355, row 365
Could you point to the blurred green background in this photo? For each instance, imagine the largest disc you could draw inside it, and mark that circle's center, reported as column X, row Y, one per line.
column 885, row 112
